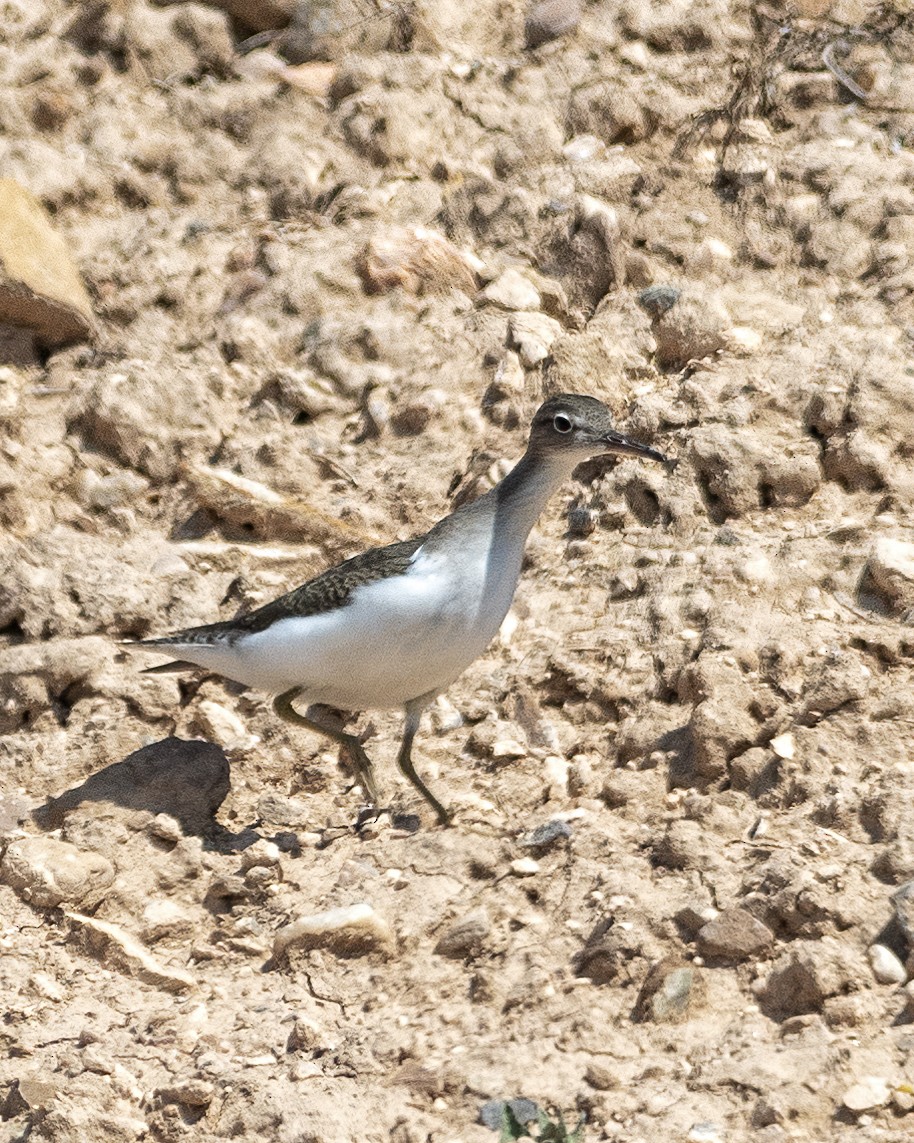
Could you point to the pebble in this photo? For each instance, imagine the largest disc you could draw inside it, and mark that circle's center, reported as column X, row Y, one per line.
column 887, row 968
column 583, row 148
column 279, row 810
column 695, row 327
column 549, row 19
column 224, row 726
column 261, row 853
column 352, row 930
column 492, row 1114
column 743, row 339
column 545, row 836
column 582, row 521
column 508, row 748
column 165, row 828
column 656, row 300
column 891, row 571
column 417, row 260
column 532, row 335
column 734, row 935
column 709, row 255
column 671, row 993
column 525, row 867
column 166, row 918
column 705, row 1133
column 784, row 746
column 867, row 1093
column 903, row 903
column 466, row 936
column 40, row 287
column 47, row 872
column 512, row 290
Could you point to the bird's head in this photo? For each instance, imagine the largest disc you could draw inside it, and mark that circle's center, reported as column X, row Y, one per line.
column 575, row 428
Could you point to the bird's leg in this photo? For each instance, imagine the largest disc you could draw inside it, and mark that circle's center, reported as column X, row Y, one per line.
column 282, row 705
column 414, row 711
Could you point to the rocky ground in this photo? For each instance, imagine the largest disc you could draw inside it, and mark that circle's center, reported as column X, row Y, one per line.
column 328, row 275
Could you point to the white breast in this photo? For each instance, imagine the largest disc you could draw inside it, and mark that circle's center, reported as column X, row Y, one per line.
column 395, row 640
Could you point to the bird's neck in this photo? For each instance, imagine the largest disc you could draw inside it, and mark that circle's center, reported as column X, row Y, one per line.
column 521, row 497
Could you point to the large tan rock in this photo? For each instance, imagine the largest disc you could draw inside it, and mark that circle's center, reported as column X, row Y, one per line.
column 40, row 287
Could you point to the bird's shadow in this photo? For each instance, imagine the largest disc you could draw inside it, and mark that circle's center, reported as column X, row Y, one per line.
column 188, row 780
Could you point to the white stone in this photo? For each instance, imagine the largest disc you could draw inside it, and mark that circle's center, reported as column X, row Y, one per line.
column 512, row 290
column 532, row 335
column 350, row 930
column 744, row 339
column 868, row 1092
column 784, row 745
column 508, row 748
column 887, row 968
column 224, row 726
column 525, row 867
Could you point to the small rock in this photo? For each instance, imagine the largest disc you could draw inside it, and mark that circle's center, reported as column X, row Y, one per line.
column 887, row 968
column 671, row 992
column 694, row 328
column 582, row 522
column 784, row 745
column 132, row 955
column 545, row 836
column 418, row 260
column 261, row 853
column 705, row 1133
column 891, row 570
column 352, row 930
column 734, row 935
column 867, row 1093
column 903, row 1101
column 600, row 1076
column 512, row 290
column 743, row 339
column 525, row 867
column 165, row 828
column 508, row 749
column 14, row 809
column 39, row 285
column 279, row 810
column 491, row 1114
column 166, row 918
column 550, row 19
column 709, row 255
column 329, row 30
column 47, row 872
column 532, row 335
column 903, row 903
column 691, row 918
column 224, row 726
column 657, row 300
column 191, row 1093
column 465, row 936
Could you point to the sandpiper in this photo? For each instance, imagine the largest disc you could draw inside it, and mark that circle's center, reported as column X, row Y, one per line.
column 395, row 626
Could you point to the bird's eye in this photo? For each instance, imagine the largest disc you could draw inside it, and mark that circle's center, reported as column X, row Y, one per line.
column 561, row 424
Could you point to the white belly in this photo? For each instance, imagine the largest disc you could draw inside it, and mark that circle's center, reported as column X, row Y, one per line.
column 395, row 640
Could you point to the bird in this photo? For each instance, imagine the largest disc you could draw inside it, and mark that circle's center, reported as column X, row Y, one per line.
column 395, row 626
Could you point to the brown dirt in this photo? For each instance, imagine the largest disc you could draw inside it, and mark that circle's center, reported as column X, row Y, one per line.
column 272, row 307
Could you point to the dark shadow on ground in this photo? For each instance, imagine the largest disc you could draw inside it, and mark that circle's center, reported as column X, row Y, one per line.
column 188, row 780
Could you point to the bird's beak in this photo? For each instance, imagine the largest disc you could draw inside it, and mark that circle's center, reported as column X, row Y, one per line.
column 624, row 446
